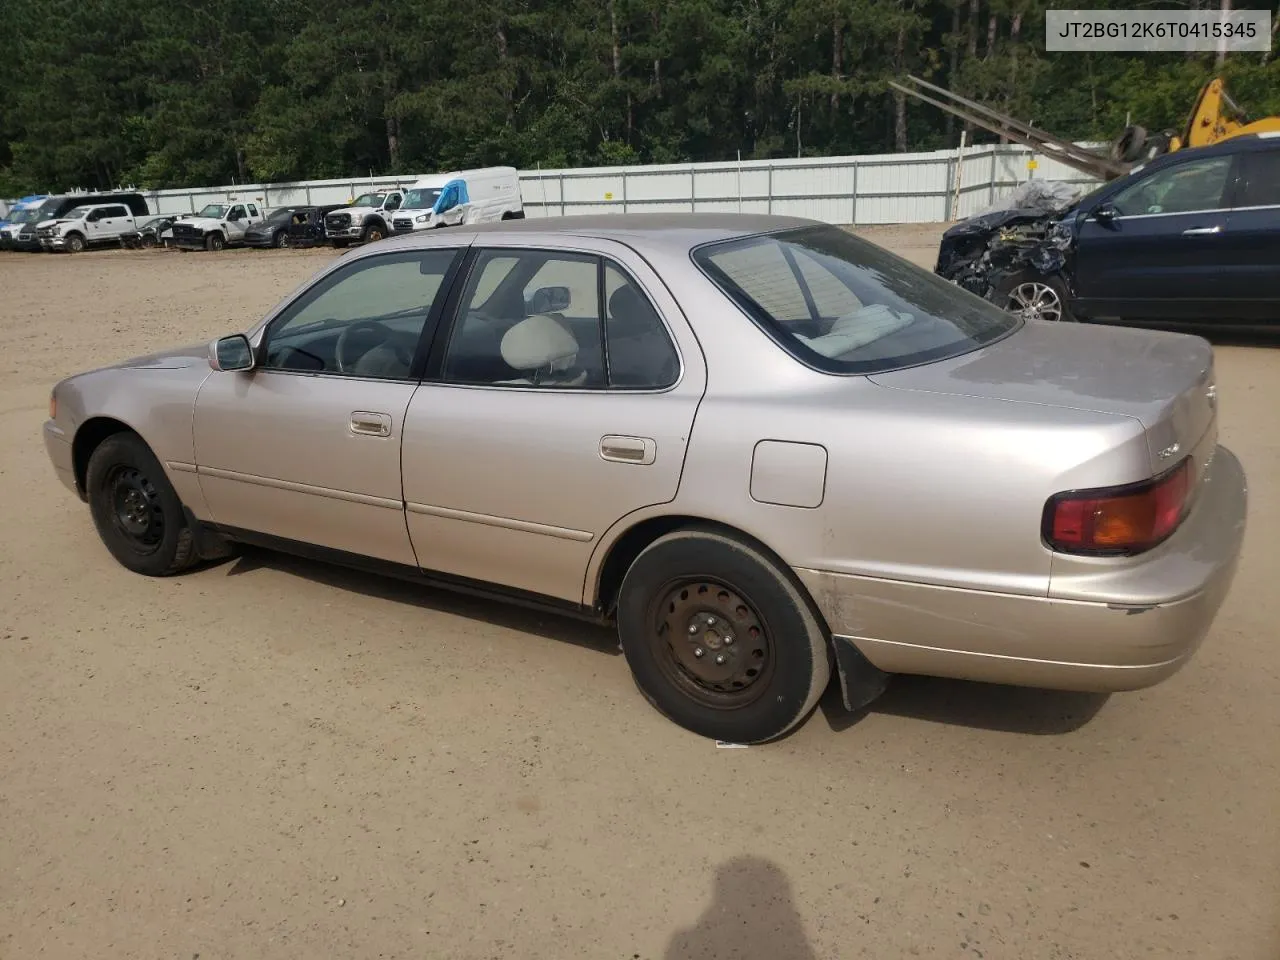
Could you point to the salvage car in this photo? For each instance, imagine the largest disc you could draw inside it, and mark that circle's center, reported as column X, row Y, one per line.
column 1192, row 236
column 306, row 226
column 216, row 226
column 765, row 449
column 274, row 230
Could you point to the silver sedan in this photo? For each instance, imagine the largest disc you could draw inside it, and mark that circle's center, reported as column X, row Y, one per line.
column 769, row 451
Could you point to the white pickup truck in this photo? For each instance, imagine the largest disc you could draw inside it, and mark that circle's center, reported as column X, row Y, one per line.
column 218, row 225
column 82, row 227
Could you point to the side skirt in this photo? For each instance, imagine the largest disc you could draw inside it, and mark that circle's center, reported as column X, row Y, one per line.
column 210, row 533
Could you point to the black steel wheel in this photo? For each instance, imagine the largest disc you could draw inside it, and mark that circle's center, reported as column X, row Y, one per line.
column 720, row 638
column 136, row 510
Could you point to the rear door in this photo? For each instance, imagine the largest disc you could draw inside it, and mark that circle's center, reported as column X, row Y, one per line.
column 1251, row 243
column 525, row 444
column 1161, row 256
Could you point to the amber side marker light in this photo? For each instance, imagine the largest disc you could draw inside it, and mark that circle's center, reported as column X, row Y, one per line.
column 1118, row 520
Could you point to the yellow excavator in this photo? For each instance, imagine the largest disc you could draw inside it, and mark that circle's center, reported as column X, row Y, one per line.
column 1214, row 117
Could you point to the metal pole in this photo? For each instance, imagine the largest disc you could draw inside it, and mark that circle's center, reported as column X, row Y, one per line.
column 954, row 212
column 740, row 181
column 853, row 205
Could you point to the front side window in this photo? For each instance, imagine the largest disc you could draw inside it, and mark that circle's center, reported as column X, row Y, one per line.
column 253, row 210
column 237, row 213
column 364, row 321
column 537, row 318
column 844, row 305
column 1190, row 187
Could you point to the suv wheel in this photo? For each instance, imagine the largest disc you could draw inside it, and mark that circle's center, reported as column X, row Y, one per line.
column 74, row 243
column 1036, row 297
column 214, row 241
column 720, row 639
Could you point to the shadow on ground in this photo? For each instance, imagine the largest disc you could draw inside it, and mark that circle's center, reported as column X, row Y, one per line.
column 509, row 616
column 954, row 702
column 751, row 917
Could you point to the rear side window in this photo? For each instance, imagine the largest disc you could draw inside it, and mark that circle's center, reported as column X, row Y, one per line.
column 1262, row 179
column 843, row 305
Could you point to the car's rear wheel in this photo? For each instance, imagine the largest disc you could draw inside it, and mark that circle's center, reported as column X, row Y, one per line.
column 720, row 639
column 136, row 510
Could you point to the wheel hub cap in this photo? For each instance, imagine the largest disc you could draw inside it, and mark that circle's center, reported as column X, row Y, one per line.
column 712, row 642
column 136, row 508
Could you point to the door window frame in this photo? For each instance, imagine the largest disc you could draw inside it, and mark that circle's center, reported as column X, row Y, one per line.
column 341, row 272
column 448, row 325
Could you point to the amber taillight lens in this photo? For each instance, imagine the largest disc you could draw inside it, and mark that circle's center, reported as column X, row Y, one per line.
column 1118, row 520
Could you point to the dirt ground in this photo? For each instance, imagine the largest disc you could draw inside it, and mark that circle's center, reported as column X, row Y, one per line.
column 271, row 758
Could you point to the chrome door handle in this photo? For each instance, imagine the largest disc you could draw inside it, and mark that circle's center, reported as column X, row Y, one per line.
column 371, row 424
column 639, row 450
column 1202, row 231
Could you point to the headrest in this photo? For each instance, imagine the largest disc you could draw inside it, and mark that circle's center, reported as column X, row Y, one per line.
column 629, row 312
column 539, row 341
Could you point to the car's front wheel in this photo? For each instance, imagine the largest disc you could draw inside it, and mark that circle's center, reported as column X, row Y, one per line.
column 720, row 638
column 136, row 510
column 1036, row 297
column 214, row 241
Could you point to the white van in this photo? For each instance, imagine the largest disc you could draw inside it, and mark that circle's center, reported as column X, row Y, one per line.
column 465, row 196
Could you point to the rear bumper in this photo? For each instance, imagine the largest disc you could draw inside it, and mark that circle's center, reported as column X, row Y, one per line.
column 58, row 447
column 1125, row 639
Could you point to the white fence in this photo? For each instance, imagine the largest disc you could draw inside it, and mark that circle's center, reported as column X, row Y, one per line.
column 883, row 188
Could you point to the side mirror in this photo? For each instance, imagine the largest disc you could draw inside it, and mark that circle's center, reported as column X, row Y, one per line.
column 549, row 299
column 1104, row 213
column 231, row 353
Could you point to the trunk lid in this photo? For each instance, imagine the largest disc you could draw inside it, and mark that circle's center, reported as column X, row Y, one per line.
column 1163, row 380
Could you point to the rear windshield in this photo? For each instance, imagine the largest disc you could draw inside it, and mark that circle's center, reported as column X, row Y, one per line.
column 841, row 304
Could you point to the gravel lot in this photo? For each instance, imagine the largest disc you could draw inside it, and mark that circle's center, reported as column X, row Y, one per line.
column 271, row 758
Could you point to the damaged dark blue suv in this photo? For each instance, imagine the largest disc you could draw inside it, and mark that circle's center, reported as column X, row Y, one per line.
column 1193, row 236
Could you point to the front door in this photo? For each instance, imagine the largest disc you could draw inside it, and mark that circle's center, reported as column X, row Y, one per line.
column 306, row 446
column 1161, row 255
column 559, row 402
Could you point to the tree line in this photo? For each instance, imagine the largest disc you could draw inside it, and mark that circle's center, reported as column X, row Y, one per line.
column 165, row 93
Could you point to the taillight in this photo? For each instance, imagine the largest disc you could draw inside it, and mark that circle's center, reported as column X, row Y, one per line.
column 1118, row 520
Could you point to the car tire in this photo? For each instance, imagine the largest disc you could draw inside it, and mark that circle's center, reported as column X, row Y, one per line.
column 281, row 239
column 1033, row 295
column 372, row 234
column 137, row 512
column 214, row 241
column 720, row 638
column 74, row 243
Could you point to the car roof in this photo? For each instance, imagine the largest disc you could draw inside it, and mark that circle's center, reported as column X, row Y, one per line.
column 636, row 230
